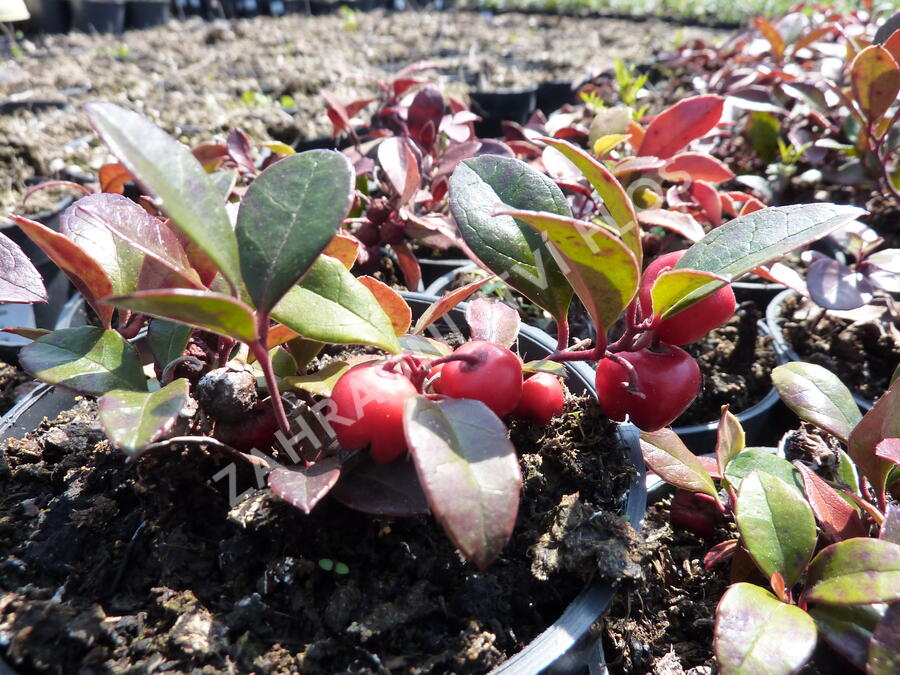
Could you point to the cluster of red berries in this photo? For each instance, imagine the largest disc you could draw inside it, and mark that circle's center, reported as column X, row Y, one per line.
column 370, row 397
column 667, row 377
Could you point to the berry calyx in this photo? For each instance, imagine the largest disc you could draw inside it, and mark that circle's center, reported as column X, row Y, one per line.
column 667, row 379
column 543, row 398
column 369, row 404
column 696, row 321
column 489, row 373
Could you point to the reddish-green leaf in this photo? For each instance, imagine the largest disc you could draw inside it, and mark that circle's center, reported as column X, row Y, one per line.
column 776, row 525
column 884, row 649
column 134, row 419
column 817, row 396
column 889, row 449
column 683, row 224
column 391, row 302
column 847, row 629
column 210, row 311
column 672, row 290
column 169, row 172
column 839, row 520
column 890, row 528
column 322, row 381
column 615, row 200
column 83, row 271
column 720, row 553
column 19, row 280
column 492, row 321
column 440, row 307
column 882, row 421
column 730, row 439
column 688, row 166
column 345, row 248
column 855, row 572
column 753, row 459
column 776, row 42
column 876, row 80
column 398, row 161
column 599, row 266
column 167, row 339
column 468, row 470
column 390, row 489
column 756, row 634
column 305, row 486
column 667, row 455
column 290, row 213
column 86, row 359
column 687, row 120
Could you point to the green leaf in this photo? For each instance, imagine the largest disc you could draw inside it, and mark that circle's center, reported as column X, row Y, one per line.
column 469, row 472
column 752, row 459
column 210, row 311
column 134, row 419
column 667, row 455
column 671, row 290
column 167, row 340
column 756, row 634
column 288, row 216
column 484, row 185
column 846, row 471
column 745, row 243
column 169, row 172
column 322, row 381
column 817, row 396
column 86, row 359
column 224, row 181
column 601, row 269
column 425, row 346
column 615, row 199
column 730, row 439
column 544, row 366
column 882, row 421
column 884, row 650
column 777, row 526
column 330, row 305
column 855, row 572
column 847, row 629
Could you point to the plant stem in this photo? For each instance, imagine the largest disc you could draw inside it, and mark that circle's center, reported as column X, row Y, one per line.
column 562, row 334
column 262, row 355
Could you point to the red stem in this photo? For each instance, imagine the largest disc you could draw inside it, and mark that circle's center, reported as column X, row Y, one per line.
column 262, row 356
column 562, row 334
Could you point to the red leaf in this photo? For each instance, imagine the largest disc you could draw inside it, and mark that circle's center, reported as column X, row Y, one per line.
column 839, row 520
column 708, row 198
column 304, row 487
column 240, row 150
column 345, row 247
column 447, row 302
column 210, row 155
column 680, row 223
column 401, row 166
column 684, row 122
column 772, row 35
column 697, row 167
column 889, row 449
column 721, row 552
column 409, row 265
column 113, row 178
column 391, row 302
column 493, row 321
column 426, row 108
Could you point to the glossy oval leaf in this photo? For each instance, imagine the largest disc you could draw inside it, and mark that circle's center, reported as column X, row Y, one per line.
column 469, row 472
column 600, row 268
column 884, row 649
column 19, row 279
column 290, row 213
column 615, row 200
column 875, row 79
column 305, row 486
column 855, row 572
column 668, row 456
column 330, row 305
column 344, row 247
column 390, row 489
column 777, row 526
column 167, row 339
column 493, row 321
column 86, row 359
column 687, row 120
column 393, row 304
column 817, row 396
column 749, row 241
column 838, row 518
column 882, row 421
column 322, row 381
column 399, row 162
column 210, row 311
column 672, row 289
column 688, row 166
column 730, row 439
column 425, row 346
column 757, row 634
column 172, row 175
column 482, row 186
column 847, row 629
column 442, row 306
column 83, row 271
column 134, row 419
column 753, row 459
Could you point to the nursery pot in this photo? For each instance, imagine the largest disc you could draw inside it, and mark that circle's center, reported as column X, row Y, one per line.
column 99, row 16
column 48, row 16
column 774, row 321
column 551, row 96
column 495, row 107
column 140, row 14
column 760, row 292
column 435, row 269
column 566, row 646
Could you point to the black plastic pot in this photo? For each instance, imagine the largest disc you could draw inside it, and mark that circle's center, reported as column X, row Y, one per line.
column 48, row 16
column 99, row 16
column 495, row 107
column 760, row 292
column 774, row 321
column 141, row 14
column 438, row 268
column 566, row 647
column 551, row 96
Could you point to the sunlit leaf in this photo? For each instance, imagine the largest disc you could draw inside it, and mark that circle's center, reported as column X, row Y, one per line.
column 839, row 520
column 760, row 459
column 322, row 381
column 305, row 486
column 687, row 120
column 668, row 456
column 855, row 572
column 493, row 321
column 818, row 396
column 671, row 289
column 730, row 439
column 882, row 421
column 875, row 78
column 19, row 280
column 133, row 419
column 391, row 302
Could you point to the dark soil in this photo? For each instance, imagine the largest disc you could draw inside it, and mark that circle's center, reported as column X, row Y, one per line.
column 862, row 353
column 115, row 567
column 10, row 379
column 736, row 363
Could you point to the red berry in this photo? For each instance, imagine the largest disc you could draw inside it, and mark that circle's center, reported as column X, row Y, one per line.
column 669, row 380
column 369, row 410
column 255, row 429
column 696, row 321
column 695, row 512
column 494, row 378
column 543, row 398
